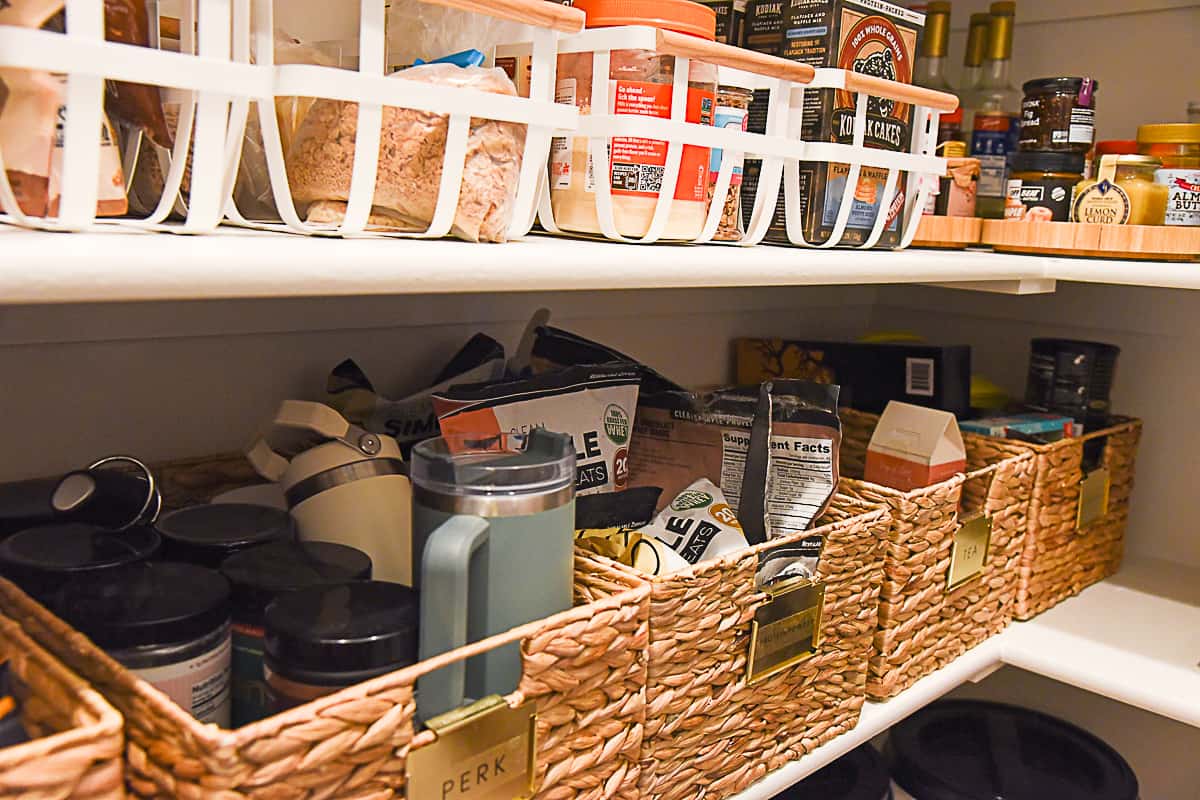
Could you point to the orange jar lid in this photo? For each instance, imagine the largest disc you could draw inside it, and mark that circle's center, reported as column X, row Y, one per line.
column 1121, row 147
column 681, row 16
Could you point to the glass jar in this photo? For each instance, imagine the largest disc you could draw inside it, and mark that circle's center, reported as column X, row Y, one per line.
column 1059, row 114
column 1178, row 147
column 1124, row 194
column 733, row 111
column 1041, row 184
column 641, row 84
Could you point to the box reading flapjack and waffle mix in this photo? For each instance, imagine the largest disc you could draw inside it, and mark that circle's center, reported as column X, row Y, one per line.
column 867, row 36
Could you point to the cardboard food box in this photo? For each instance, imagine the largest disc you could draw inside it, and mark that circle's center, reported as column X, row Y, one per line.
column 871, row 375
column 761, row 32
column 730, row 14
column 914, row 447
column 874, row 38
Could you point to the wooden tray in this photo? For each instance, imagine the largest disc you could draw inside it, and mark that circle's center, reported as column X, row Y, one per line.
column 1153, row 242
column 948, row 233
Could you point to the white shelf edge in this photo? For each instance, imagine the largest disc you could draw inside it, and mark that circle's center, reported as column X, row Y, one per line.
column 39, row 267
column 1074, row 643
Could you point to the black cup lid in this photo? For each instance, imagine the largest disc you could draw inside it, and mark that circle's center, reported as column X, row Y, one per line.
column 76, row 547
column 858, row 775
column 963, row 749
column 1045, row 161
column 206, row 534
column 1065, row 84
column 146, row 604
column 341, row 634
column 260, row 573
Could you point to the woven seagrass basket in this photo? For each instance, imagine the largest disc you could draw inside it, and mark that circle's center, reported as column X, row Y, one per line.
column 78, row 747
column 924, row 621
column 709, row 732
column 584, row 671
column 1061, row 557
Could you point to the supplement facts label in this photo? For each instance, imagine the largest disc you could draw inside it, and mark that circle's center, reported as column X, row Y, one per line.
column 798, row 482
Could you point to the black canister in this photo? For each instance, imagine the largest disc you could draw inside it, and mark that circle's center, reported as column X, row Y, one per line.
column 258, row 576
column 208, row 534
column 1072, row 378
column 326, row 638
column 858, row 775
column 168, row 623
column 959, row 749
column 41, row 560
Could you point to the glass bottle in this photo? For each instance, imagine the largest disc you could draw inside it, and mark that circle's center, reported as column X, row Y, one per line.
column 931, row 66
column 977, row 36
column 996, row 126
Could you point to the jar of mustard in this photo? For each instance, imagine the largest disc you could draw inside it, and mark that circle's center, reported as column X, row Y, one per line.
column 1178, row 147
column 1123, row 193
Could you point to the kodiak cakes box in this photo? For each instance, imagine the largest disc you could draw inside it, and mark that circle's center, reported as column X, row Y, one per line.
column 874, row 38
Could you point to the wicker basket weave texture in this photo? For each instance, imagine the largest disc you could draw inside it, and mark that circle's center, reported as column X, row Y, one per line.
column 924, row 625
column 584, row 669
column 706, row 729
column 79, row 752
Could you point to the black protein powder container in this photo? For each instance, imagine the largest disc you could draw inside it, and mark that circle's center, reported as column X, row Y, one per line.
column 41, row 560
column 858, row 775
column 326, row 638
column 168, row 623
column 258, row 576
column 1072, row 378
column 971, row 750
column 208, row 534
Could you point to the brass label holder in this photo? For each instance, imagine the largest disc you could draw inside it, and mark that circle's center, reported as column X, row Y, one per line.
column 484, row 751
column 1093, row 497
column 969, row 553
column 786, row 630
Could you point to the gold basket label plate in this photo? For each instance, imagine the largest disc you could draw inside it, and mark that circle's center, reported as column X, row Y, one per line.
column 969, row 554
column 786, row 630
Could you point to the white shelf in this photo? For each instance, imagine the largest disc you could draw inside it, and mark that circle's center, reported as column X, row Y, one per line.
column 1134, row 638
column 40, row 267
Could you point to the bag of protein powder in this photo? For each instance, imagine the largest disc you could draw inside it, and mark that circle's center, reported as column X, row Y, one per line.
column 593, row 403
column 553, row 348
column 610, row 524
column 698, row 525
column 411, row 419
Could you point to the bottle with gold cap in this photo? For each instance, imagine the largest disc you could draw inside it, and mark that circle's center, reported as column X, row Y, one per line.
column 996, row 127
column 977, row 35
column 935, row 44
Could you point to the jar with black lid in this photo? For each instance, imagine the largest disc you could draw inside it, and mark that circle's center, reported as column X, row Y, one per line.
column 258, row 576
column 1059, row 114
column 40, row 560
column 208, row 534
column 1041, row 185
column 167, row 623
column 320, row 640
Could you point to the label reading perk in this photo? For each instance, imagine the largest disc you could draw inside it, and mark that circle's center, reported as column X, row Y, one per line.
column 482, row 756
column 787, row 629
column 970, row 551
column 1093, row 497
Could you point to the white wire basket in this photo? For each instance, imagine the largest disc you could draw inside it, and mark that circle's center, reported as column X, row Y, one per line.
column 781, row 148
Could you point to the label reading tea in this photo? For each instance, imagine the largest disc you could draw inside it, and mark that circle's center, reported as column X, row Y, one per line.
column 484, row 752
column 970, row 551
column 787, row 629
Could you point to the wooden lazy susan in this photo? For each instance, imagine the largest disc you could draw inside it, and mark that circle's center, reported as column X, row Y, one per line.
column 1146, row 242
column 948, row 233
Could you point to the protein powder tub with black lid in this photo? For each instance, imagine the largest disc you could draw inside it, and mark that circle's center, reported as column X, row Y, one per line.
column 326, row 638
column 956, row 749
column 208, row 534
column 1041, row 185
column 858, row 775
column 168, row 623
column 40, row 560
column 258, row 576
column 1059, row 114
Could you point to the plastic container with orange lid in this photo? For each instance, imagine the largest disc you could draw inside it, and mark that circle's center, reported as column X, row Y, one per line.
column 641, row 82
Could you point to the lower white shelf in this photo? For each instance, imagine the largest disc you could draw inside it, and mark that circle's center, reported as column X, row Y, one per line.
column 1134, row 638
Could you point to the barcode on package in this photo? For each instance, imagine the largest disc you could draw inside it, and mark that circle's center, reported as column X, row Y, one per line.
column 918, row 377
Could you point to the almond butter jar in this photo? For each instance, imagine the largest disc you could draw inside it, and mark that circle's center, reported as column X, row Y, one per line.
column 640, row 83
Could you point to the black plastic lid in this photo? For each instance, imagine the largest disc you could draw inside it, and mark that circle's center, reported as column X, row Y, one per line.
column 1065, row 85
column 260, row 573
column 207, row 534
column 1045, row 161
column 38, row 559
column 337, row 635
column 146, row 604
column 969, row 750
column 858, row 775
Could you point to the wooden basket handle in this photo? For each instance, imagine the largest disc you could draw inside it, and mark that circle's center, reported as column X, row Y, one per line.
column 563, row 19
column 903, row 92
column 683, row 46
